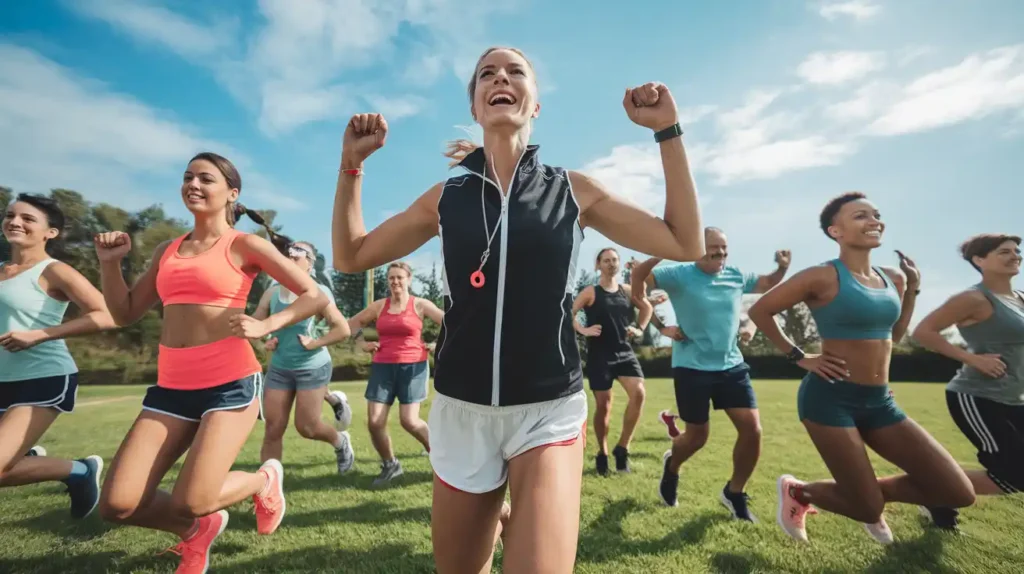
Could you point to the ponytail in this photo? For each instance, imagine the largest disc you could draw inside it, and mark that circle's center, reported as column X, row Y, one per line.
column 281, row 242
column 458, row 150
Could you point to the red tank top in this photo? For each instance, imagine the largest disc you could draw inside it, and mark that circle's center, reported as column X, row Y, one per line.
column 400, row 335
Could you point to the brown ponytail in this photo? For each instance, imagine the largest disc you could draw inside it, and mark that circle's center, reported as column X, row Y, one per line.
column 281, row 242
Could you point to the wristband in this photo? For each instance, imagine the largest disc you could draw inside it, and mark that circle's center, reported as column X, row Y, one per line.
column 353, row 171
column 795, row 355
column 673, row 131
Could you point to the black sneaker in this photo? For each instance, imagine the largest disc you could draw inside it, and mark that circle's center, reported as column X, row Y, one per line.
column 669, row 482
column 85, row 491
column 736, row 502
column 942, row 517
column 621, row 459
column 602, row 463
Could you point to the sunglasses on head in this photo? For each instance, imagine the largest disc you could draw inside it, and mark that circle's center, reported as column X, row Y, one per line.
column 299, row 251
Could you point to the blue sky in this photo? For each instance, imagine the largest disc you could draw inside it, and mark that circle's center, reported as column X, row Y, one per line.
column 785, row 103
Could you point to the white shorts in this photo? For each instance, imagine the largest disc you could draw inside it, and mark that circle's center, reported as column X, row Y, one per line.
column 471, row 444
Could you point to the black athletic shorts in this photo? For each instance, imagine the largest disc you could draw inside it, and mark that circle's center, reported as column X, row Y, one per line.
column 58, row 392
column 601, row 374
column 997, row 431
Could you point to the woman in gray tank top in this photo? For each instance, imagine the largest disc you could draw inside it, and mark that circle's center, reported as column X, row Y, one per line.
column 986, row 396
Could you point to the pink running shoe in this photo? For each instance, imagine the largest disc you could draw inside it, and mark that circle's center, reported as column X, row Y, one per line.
column 880, row 531
column 669, row 420
column 195, row 552
column 791, row 512
column 269, row 502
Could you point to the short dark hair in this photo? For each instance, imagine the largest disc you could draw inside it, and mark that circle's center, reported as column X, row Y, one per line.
column 602, row 252
column 982, row 244
column 828, row 213
column 49, row 207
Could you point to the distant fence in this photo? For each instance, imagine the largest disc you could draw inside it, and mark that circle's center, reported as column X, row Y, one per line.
column 914, row 367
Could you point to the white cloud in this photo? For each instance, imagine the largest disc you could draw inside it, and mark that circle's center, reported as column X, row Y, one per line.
column 398, row 107
column 836, row 68
column 61, row 129
column 151, row 23
column 856, row 9
column 980, row 85
column 303, row 58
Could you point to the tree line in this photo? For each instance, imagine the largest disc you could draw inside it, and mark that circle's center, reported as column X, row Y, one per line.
column 150, row 226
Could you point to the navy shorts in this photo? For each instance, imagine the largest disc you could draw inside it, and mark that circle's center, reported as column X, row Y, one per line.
column 697, row 390
column 192, row 405
column 58, row 392
column 405, row 381
column 601, row 373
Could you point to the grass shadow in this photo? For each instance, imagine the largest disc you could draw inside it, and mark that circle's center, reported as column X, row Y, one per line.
column 604, row 540
column 355, row 479
column 382, row 559
column 733, row 563
column 925, row 553
column 59, row 523
column 367, row 513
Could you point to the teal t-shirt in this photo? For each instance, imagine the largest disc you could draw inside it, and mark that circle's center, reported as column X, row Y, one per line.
column 707, row 309
column 290, row 354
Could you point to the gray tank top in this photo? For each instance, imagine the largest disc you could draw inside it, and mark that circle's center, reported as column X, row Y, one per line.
column 1003, row 334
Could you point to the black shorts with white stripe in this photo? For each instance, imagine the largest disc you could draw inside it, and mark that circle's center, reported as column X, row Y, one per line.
column 997, row 431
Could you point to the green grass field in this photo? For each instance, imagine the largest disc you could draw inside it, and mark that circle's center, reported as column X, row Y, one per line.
column 341, row 524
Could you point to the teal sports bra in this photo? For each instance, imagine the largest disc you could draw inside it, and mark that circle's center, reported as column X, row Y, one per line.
column 857, row 311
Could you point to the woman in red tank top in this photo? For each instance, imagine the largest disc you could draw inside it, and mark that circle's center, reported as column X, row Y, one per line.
column 400, row 368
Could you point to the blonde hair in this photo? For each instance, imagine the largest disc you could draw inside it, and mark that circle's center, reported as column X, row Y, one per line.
column 403, row 266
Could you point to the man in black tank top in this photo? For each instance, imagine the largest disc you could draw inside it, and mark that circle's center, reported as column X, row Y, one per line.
column 610, row 317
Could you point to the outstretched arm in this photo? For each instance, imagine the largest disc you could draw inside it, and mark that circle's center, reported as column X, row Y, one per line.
column 679, row 235
column 356, row 250
column 767, row 281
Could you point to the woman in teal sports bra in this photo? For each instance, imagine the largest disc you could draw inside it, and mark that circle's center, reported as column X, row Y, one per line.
column 844, row 401
column 300, row 370
column 38, row 376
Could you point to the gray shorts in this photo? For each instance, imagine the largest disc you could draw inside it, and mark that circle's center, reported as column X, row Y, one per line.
column 298, row 380
column 405, row 381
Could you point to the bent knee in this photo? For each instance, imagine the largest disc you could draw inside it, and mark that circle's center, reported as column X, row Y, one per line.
column 411, row 423
column 750, row 432
column 118, row 508
column 274, row 431
column 962, row 495
column 306, row 429
column 697, row 435
column 194, row 506
column 638, row 394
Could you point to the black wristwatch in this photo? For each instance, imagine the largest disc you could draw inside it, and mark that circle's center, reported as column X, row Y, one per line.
column 795, row 355
column 668, row 133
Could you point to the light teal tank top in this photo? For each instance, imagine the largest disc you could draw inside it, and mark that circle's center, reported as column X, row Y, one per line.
column 858, row 312
column 290, row 354
column 1002, row 334
column 24, row 306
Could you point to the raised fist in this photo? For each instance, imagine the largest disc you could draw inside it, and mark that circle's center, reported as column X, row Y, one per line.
column 783, row 257
column 651, row 106
column 364, row 134
column 112, row 245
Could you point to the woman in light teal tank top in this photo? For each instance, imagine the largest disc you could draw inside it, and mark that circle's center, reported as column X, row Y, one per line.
column 986, row 396
column 38, row 377
column 300, row 370
column 845, row 401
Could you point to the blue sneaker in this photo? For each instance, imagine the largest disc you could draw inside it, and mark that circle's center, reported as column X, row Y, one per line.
column 85, row 491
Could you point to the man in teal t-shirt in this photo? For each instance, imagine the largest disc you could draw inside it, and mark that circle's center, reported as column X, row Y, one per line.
column 707, row 365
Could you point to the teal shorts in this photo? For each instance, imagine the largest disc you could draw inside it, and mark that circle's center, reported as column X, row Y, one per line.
column 843, row 404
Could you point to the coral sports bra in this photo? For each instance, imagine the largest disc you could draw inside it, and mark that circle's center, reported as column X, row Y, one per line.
column 210, row 278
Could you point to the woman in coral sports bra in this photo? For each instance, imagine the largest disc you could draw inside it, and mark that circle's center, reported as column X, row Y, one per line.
column 400, row 368
column 207, row 396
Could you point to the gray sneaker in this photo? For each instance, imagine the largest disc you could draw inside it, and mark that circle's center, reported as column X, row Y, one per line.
column 344, row 454
column 389, row 470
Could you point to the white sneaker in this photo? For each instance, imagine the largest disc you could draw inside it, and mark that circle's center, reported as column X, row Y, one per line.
column 880, row 531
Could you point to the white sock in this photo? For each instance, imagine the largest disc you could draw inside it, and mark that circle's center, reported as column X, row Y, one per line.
column 339, row 440
column 332, row 400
